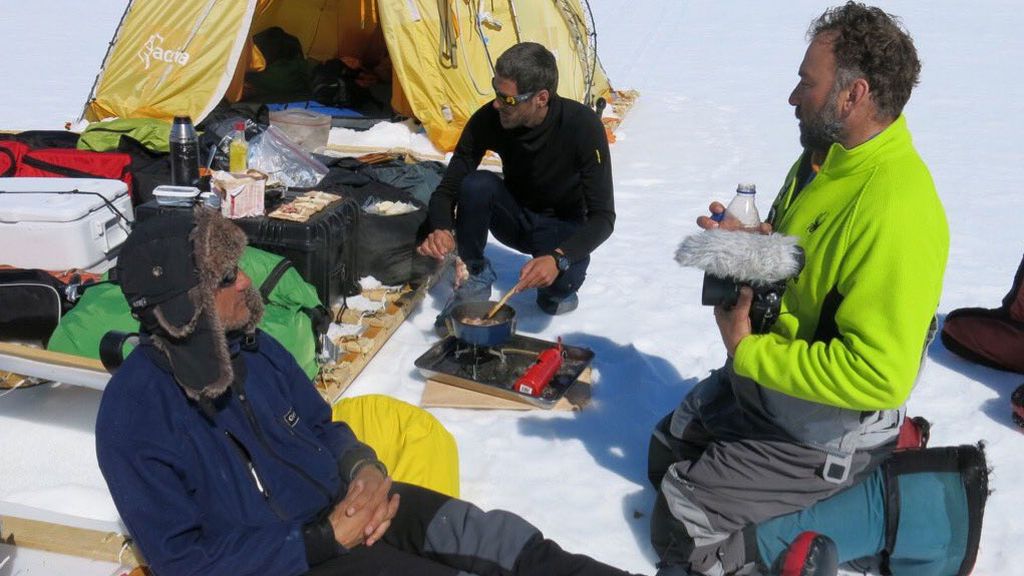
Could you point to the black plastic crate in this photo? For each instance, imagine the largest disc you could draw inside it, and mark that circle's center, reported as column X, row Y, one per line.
column 322, row 249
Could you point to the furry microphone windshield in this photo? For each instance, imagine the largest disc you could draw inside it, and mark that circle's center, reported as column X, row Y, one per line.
column 730, row 259
column 749, row 258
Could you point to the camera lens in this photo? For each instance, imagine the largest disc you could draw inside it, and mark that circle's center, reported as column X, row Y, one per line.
column 719, row 291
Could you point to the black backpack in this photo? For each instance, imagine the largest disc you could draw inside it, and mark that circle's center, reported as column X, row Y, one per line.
column 33, row 303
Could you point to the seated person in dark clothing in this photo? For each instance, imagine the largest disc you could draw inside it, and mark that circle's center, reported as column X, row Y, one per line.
column 555, row 201
column 222, row 458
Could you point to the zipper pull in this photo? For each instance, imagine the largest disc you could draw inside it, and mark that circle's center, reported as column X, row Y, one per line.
column 259, row 484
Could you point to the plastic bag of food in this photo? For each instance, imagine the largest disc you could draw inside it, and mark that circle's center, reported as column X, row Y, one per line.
column 274, row 154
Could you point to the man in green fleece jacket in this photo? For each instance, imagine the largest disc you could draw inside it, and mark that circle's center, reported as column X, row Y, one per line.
column 813, row 406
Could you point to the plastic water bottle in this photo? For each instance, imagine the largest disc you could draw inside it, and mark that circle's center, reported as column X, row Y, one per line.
column 184, row 144
column 743, row 208
column 238, row 150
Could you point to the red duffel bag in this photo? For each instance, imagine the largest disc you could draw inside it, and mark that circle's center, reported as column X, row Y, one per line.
column 71, row 163
column 10, row 156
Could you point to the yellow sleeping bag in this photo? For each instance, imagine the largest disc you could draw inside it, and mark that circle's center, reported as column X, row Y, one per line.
column 416, row 448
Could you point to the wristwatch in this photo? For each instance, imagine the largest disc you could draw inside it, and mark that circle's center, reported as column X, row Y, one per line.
column 561, row 260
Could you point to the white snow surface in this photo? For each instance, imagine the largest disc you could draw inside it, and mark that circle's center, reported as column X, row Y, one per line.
column 714, row 78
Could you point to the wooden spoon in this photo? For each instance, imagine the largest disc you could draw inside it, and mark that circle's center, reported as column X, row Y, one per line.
column 496, row 307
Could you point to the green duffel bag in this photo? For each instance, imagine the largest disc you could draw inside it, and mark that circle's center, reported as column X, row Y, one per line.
column 106, row 136
column 292, row 305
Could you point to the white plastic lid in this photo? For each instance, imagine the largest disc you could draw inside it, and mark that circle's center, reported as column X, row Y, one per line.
column 55, row 199
column 746, row 188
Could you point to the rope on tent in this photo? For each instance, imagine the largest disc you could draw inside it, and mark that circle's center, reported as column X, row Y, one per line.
column 515, row 20
column 483, row 40
column 447, row 55
column 584, row 36
column 478, row 17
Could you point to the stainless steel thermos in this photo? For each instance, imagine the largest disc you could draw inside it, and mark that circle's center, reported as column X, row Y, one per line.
column 184, row 144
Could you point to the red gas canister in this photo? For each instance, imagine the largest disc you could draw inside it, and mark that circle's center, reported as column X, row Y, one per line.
column 540, row 374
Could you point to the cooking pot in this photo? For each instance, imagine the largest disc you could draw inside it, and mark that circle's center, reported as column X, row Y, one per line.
column 491, row 335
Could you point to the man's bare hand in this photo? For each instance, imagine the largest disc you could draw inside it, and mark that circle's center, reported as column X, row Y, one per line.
column 718, row 219
column 538, row 273
column 349, row 531
column 376, row 489
column 734, row 323
column 437, row 244
column 366, row 512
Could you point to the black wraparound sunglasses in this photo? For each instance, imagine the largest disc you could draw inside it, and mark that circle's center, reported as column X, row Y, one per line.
column 509, row 99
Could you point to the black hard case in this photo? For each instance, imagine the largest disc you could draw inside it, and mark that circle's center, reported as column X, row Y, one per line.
column 322, row 249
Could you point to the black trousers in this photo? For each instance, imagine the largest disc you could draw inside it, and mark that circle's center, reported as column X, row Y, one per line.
column 485, row 205
column 436, row 535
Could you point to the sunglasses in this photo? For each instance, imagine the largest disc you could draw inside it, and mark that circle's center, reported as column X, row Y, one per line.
column 229, row 279
column 509, row 99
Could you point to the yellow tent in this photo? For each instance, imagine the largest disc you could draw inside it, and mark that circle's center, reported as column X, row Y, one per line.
column 185, row 56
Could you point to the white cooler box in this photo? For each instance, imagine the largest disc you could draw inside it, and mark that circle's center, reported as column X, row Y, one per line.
column 62, row 223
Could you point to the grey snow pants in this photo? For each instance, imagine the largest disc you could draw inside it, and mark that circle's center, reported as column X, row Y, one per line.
column 725, row 473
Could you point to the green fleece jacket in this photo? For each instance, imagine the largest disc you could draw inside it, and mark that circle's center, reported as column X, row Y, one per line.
column 855, row 321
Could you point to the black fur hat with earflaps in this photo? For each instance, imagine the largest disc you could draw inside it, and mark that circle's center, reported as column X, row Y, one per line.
column 170, row 269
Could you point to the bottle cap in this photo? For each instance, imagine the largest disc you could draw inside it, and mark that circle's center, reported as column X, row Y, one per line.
column 745, row 188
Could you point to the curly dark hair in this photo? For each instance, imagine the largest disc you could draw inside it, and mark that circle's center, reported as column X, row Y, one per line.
column 869, row 43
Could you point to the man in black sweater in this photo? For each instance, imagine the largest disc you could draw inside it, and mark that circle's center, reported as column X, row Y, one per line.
column 555, row 201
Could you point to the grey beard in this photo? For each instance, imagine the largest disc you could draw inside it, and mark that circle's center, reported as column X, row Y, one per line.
column 820, row 135
column 825, row 129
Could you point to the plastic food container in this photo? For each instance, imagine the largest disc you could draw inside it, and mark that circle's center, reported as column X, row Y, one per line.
column 175, row 195
column 307, row 129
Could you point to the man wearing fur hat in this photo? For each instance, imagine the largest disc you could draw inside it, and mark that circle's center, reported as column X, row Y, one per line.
column 814, row 405
column 222, row 458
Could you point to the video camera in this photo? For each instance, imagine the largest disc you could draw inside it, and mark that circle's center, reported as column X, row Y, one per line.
column 732, row 259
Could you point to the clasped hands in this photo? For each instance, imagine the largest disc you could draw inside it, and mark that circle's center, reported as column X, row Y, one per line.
column 365, row 514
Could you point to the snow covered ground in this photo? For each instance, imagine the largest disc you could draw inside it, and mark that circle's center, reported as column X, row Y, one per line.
column 714, row 77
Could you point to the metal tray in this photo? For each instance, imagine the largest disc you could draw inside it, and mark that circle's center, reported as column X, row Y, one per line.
column 489, row 376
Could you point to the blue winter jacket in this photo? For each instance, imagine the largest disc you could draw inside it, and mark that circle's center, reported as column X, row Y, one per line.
column 226, row 493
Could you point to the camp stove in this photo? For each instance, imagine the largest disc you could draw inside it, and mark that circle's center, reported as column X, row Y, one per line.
column 523, row 368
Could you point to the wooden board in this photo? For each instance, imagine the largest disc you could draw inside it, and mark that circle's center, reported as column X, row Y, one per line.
column 17, row 360
column 106, row 546
column 335, row 378
column 56, row 366
column 440, row 395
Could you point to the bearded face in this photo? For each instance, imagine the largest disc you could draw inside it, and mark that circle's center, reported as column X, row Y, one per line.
column 816, row 96
column 820, row 128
